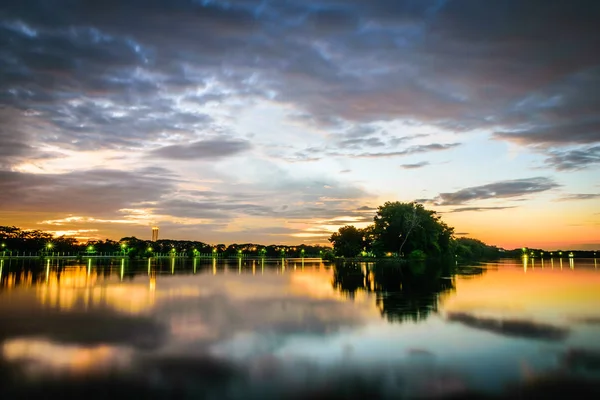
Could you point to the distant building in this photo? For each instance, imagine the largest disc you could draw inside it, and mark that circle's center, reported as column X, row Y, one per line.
column 154, row 233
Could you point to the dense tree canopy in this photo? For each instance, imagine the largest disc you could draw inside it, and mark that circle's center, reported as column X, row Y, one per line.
column 405, row 227
column 398, row 228
column 473, row 249
column 348, row 241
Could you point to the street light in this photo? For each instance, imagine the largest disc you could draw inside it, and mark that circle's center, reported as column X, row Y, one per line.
column 48, row 247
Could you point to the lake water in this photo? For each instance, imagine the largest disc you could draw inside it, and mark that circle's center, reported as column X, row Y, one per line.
column 252, row 330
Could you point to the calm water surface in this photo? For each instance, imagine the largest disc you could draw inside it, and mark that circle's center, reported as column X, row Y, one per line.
column 198, row 329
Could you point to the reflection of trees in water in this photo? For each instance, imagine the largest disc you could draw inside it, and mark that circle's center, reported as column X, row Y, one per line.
column 469, row 271
column 408, row 292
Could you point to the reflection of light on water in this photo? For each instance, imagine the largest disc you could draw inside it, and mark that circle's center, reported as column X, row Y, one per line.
column 214, row 266
column 122, row 268
column 542, row 263
column 195, row 264
column 2, row 267
column 571, row 263
column 26, row 279
column 63, row 289
column 47, row 269
column 561, row 263
column 71, row 287
column 239, row 266
column 45, row 355
column 552, row 262
column 89, row 269
column 149, row 265
column 10, row 280
column 525, row 261
column 152, row 283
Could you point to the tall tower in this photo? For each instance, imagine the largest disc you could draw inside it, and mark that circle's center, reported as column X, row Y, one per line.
column 154, row 233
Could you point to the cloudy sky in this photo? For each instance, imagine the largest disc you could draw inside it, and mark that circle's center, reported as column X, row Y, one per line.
column 277, row 121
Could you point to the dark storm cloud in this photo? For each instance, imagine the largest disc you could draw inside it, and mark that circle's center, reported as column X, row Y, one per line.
column 415, row 165
column 514, row 328
column 94, row 192
column 87, row 125
column 14, row 143
column 504, row 65
column 209, row 149
column 497, row 190
column 574, row 159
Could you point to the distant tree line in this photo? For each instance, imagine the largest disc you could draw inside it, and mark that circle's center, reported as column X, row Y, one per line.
column 13, row 239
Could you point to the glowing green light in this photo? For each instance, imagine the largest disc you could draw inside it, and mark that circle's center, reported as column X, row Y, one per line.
column 49, row 245
column 90, row 248
column 150, row 249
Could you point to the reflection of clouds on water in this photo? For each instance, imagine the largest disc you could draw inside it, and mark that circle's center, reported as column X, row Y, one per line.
column 43, row 356
column 592, row 320
column 228, row 323
column 518, row 328
column 91, row 327
column 581, row 360
column 312, row 332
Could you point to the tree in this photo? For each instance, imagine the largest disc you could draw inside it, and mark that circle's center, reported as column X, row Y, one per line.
column 348, row 241
column 473, row 249
column 406, row 227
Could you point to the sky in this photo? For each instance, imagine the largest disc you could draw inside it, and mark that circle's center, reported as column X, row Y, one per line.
column 272, row 121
